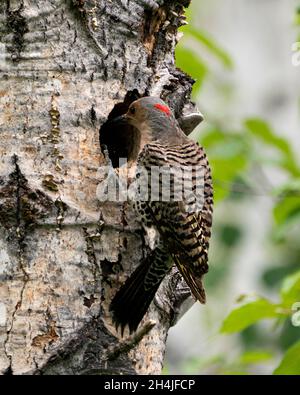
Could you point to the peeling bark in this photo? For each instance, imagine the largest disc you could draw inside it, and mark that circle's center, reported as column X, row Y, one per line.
column 64, row 66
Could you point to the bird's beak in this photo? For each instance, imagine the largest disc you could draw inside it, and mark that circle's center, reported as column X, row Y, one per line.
column 122, row 119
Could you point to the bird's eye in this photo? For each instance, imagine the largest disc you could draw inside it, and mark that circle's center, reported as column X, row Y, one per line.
column 132, row 110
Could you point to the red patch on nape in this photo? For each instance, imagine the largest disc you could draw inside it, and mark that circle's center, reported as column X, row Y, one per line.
column 163, row 108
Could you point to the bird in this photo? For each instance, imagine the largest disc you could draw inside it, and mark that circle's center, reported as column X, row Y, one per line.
column 181, row 220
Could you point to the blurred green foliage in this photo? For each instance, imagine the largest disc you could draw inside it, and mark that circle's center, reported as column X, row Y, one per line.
column 290, row 363
column 233, row 155
column 192, row 63
column 248, row 314
column 288, row 308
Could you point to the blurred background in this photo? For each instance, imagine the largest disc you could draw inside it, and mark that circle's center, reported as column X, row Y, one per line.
column 245, row 56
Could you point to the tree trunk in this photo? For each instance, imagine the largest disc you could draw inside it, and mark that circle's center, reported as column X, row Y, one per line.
column 64, row 65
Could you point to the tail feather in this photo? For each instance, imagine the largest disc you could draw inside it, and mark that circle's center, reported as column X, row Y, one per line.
column 131, row 302
column 193, row 279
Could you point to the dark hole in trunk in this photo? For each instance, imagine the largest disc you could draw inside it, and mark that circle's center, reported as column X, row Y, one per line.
column 120, row 139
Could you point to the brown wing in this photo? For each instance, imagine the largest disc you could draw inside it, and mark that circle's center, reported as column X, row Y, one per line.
column 189, row 250
column 185, row 224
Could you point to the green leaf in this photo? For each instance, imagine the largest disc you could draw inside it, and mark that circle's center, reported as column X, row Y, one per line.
column 297, row 16
column 260, row 129
column 290, row 226
column 287, row 210
column 228, row 157
column 224, row 172
column 290, row 364
column 192, row 65
column 204, row 39
column 290, row 188
column 211, row 137
column 290, row 291
column 254, row 357
column 248, row 314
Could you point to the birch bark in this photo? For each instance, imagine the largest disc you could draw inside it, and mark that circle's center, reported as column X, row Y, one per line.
column 64, row 65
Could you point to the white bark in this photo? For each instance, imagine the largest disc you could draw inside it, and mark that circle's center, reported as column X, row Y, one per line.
column 64, row 65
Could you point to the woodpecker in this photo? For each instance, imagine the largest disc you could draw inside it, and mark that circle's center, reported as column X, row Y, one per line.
column 182, row 222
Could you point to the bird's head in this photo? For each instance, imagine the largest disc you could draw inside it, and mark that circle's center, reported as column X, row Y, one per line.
column 155, row 120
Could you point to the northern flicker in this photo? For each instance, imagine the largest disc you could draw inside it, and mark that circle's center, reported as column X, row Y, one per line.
column 182, row 219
